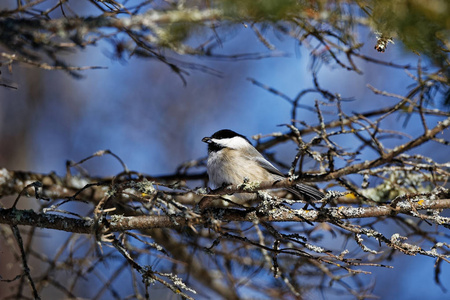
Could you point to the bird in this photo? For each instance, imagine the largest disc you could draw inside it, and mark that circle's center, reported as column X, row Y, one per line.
column 233, row 160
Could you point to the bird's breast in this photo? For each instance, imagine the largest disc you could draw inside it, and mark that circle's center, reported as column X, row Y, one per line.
column 228, row 166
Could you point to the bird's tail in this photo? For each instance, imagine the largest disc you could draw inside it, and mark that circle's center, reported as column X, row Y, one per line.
column 304, row 190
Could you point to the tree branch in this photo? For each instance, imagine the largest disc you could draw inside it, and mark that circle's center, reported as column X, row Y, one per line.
column 118, row 223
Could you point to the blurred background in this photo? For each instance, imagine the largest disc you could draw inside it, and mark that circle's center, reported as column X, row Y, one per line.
column 143, row 112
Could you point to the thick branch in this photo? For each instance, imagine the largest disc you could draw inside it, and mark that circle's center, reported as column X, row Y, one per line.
column 45, row 220
column 121, row 223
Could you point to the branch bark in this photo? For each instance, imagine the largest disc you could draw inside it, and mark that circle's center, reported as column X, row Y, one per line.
column 119, row 223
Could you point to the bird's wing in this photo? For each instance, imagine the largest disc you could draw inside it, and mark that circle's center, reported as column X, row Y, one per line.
column 299, row 189
column 268, row 166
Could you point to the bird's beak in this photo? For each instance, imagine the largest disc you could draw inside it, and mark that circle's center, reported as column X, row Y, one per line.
column 206, row 140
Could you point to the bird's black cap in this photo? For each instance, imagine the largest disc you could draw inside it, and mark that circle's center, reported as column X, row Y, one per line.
column 227, row 134
column 221, row 134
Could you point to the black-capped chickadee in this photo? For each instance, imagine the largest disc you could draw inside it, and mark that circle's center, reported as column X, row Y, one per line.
column 233, row 159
